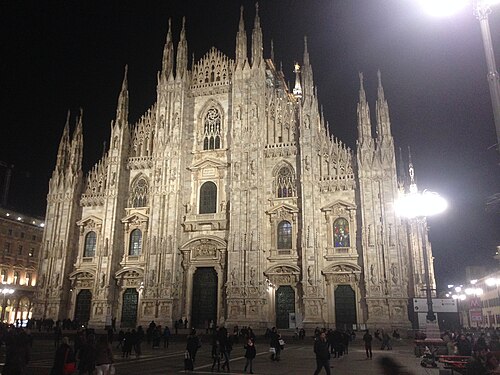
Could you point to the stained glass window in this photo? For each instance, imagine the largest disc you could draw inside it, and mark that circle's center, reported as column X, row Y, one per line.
column 135, row 242
column 208, row 198
column 341, row 233
column 284, row 235
column 285, row 183
column 90, row 244
column 212, row 130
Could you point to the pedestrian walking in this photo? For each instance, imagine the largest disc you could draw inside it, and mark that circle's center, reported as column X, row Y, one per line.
column 64, row 360
column 193, row 344
column 367, row 338
column 216, row 353
column 86, row 363
column 322, row 354
column 250, row 353
column 386, row 341
column 166, row 337
column 274, row 344
column 103, row 357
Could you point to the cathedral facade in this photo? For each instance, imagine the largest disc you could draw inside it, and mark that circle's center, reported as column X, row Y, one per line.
column 229, row 200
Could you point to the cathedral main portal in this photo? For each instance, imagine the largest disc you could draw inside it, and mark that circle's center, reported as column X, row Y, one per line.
column 129, row 308
column 285, row 304
column 204, row 307
column 345, row 307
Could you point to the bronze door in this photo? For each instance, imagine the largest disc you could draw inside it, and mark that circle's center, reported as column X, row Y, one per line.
column 204, row 308
column 82, row 307
column 285, row 304
column 129, row 308
column 345, row 307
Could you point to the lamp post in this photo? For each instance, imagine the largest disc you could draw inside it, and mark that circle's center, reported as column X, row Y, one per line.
column 418, row 206
column 481, row 9
column 5, row 292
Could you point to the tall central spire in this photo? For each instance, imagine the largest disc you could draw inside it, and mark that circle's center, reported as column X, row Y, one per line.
column 122, row 108
column 364, row 123
column 168, row 54
column 382, row 112
column 241, row 42
column 182, row 52
column 256, row 39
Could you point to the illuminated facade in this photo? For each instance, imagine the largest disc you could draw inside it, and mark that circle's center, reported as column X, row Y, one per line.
column 20, row 242
column 230, row 200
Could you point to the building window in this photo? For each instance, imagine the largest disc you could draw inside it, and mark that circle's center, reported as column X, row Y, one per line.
column 4, row 276
column 7, row 247
column 135, row 242
column 33, row 238
column 90, row 244
column 20, row 250
column 341, row 233
column 28, row 278
column 16, row 277
column 140, row 193
column 212, row 130
column 22, row 234
column 284, row 235
column 10, row 232
column 285, row 183
column 208, row 198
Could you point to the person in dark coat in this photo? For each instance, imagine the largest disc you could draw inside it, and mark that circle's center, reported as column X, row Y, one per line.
column 86, row 364
column 17, row 352
column 275, row 343
column 193, row 344
column 322, row 354
column 64, row 354
column 367, row 338
column 464, row 346
column 250, row 353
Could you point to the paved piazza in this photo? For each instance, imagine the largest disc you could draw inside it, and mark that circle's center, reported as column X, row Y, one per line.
column 297, row 358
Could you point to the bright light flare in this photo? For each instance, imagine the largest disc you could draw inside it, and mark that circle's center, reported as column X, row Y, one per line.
column 420, row 204
column 443, row 8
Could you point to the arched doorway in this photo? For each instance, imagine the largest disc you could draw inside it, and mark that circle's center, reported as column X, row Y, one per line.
column 285, row 304
column 204, row 307
column 345, row 306
column 129, row 308
column 82, row 307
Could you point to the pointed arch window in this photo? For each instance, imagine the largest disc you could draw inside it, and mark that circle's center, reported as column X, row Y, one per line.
column 208, row 198
column 284, row 235
column 135, row 242
column 16, row 277
column 90, row 244
column 139, row 196
column 212, row 130
column 4, row 276
column 341, row 236
column 285, row 183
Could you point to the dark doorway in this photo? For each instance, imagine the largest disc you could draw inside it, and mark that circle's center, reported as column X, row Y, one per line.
column 285, row 304
column 205, row 290
column 129, row 308
column 82, row 307
column 345, row 307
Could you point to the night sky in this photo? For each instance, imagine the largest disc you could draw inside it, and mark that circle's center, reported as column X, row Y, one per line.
column 60, row 55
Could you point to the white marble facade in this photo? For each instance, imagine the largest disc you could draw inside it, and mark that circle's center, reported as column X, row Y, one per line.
column 230, row 170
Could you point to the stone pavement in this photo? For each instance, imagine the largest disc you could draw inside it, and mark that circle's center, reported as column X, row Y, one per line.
column 297, row 359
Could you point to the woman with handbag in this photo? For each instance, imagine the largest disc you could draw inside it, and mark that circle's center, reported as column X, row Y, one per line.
column 64, row 361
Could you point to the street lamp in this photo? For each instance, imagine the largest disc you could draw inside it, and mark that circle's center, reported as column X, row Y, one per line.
column 418, row 205
column 481, row 9
column 5, row 292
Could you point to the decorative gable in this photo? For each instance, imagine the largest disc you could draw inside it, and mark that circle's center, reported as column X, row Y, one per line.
column 212, row 74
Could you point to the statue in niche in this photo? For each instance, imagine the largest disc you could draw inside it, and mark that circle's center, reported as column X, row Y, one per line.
column 373, row 279
column 233, row 276
column 222, row 206
column 236, row 170
column 310, row 273
column 103, row 280
column 307, row 163
column 252, row 275
column 56, row 279
column 253, row 169
column 187, row 206
column 370, row 235
column 168, row 276
column 152, row 277
column 394, row 273
column 42, row 280
column 106, row 245
column 391, row 239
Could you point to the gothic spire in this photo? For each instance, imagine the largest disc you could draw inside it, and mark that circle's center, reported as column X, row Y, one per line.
column 364, row 123
column 272, row 51
column 63, row 146
column 401, row 171
column 241, row 42
column 307, row 74
column 411, row 173
column 182, row 52
column 256, row 39
column 77, row 145
column 122, row 108
column 168, row 54
column 382, row 111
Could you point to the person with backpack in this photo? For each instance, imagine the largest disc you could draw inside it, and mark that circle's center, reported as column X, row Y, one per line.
column 367, row 338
